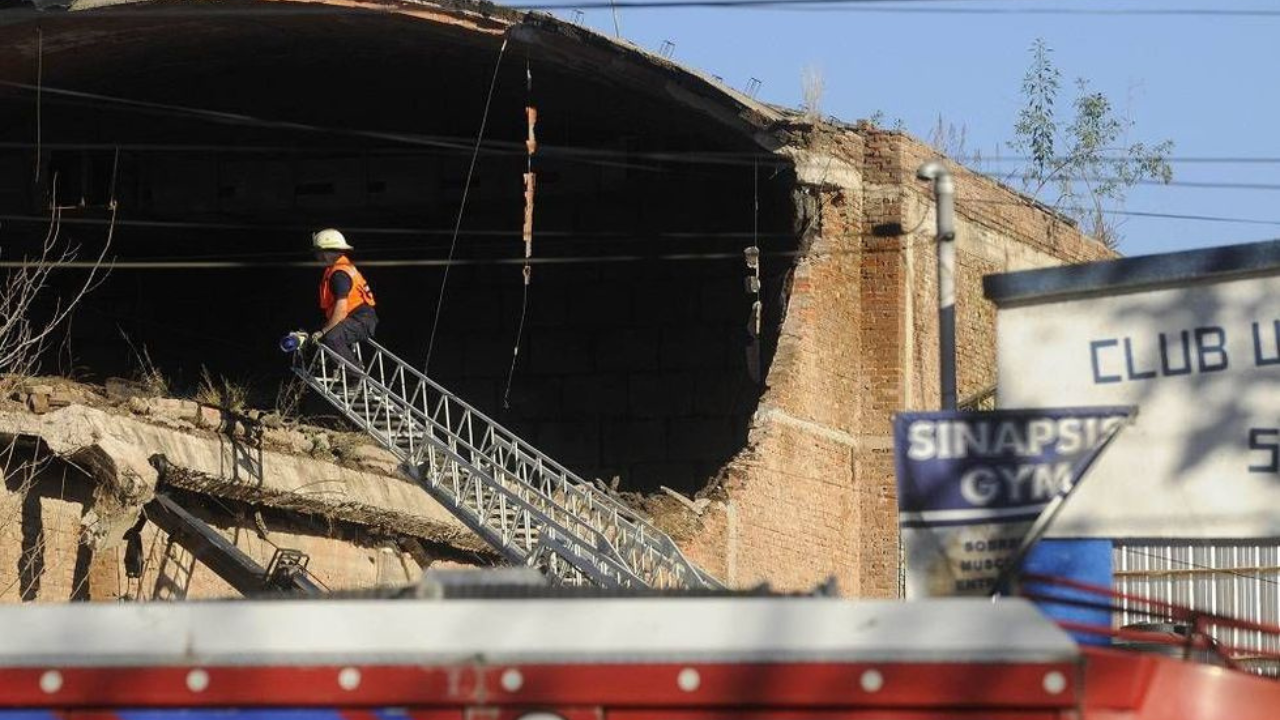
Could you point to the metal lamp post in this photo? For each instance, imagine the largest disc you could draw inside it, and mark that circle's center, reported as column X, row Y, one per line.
column 944, row 190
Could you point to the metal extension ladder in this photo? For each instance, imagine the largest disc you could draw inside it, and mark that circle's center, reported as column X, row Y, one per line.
column 530, row 508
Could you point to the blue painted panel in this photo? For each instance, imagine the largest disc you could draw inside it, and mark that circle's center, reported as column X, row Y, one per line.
column 1087, row 561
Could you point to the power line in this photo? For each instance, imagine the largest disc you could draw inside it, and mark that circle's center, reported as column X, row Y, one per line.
column 863, row 6
column 424, row 262
column 696, row 155
column 1202, row 184
column 406, row 231
column 570, row 235
column 458, row 145
column 451, row 144
column 462, row 206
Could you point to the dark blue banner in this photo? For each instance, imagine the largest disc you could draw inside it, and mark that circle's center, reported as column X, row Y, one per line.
column 972, row 484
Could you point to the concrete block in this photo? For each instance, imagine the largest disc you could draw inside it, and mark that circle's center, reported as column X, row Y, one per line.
column 372, row 457
column 548, row 310
column 534, row 398
column 630, row 441
column 561, row 353
column 692, row 347
column 138, row 405
column 670, row 305
column 665, row 395
column 610, row 306
column 290, row 440
column 724, row 302
column 208, row 417
column 38, row 404
column 628, row 349
column 719, row 393
column 696, row 439
column 481, row 393
column 596, row 395
column 487, row 355
column 575, row 444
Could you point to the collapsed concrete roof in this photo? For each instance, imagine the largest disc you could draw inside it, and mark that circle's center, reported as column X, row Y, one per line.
column 540, row 36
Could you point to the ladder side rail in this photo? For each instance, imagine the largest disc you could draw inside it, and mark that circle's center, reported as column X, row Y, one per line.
column 505, row 434
column 539, row 506
column 639, row 540
column 632, row 529
column 600, row 566
column 471, row 414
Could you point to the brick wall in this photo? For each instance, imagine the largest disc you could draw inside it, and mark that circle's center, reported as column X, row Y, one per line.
column 813, row 495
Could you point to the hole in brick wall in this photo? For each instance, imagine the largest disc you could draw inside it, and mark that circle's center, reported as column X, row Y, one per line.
column 635, row 357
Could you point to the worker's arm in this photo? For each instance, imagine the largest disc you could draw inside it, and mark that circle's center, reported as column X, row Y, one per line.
column 339, row 314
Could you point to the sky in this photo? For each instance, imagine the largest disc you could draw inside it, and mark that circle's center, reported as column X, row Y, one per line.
column 1206, row 82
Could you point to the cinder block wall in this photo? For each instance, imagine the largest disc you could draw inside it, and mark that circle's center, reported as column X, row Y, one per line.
column 634, row 370
column 813, row 494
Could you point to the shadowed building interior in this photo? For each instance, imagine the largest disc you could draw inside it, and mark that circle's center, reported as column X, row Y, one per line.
column 226, row 139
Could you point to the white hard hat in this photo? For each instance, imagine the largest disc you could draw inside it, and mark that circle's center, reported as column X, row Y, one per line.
column 329, row 239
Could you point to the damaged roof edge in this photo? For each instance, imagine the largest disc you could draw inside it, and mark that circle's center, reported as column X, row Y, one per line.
column 573, row 44
column 682, row 84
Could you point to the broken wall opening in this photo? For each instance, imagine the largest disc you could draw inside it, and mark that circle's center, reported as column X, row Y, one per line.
column 635, row 360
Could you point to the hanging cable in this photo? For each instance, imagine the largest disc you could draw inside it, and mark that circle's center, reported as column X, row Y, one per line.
column 462, row 206
column 530, row 184
column 39, row 96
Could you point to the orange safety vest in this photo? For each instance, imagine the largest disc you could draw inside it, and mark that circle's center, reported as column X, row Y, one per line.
column 360, row 293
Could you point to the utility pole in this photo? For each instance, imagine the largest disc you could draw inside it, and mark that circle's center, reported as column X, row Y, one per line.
column 944, row 191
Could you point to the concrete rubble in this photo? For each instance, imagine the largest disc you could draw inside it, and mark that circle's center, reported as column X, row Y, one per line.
column 128, row 456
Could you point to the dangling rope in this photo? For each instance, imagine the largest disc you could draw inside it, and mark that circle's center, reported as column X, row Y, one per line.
column 457, row 226
column 530, row 183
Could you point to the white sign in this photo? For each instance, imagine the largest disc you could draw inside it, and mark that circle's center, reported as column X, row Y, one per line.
column 1202, row 364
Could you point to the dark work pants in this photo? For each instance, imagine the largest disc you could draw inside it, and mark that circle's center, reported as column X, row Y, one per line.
column 356, row 327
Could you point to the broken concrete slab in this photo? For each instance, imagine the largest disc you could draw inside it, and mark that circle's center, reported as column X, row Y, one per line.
column 122, row 453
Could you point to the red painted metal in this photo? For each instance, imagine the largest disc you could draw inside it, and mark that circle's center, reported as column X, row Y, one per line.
column 1108, row 685
column 1137, row 686
column 771, row 685
column 237, row 686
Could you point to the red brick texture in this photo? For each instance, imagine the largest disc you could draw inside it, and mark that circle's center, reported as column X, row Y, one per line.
column 813, row 495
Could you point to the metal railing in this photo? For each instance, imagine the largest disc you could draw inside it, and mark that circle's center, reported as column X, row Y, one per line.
column 530, row 508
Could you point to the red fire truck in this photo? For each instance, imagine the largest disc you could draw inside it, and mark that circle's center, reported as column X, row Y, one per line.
column 515, row 652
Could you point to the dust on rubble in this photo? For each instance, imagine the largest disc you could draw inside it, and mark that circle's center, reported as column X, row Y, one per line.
column 130, row 398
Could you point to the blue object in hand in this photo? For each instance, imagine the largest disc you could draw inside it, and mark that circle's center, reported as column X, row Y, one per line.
column 293, row 341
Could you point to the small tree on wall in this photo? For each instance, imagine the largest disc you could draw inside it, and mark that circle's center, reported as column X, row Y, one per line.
column 1084, row 163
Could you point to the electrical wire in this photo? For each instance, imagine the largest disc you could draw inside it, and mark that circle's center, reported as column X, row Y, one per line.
column 452, row 144
column 746, row 156
column 926, row 7
column 393, row 231
column 409, row 262
column 462, row 207
column 568, row 235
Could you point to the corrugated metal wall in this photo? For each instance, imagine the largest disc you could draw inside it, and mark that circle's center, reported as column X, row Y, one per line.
column 1240, row 579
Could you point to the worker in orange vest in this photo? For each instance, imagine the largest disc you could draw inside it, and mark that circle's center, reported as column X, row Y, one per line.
column 345, row 297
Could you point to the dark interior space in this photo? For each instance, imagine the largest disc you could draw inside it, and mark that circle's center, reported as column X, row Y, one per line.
column 634, row 358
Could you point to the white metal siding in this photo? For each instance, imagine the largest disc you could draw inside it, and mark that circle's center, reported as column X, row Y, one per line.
column 1240, row 579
